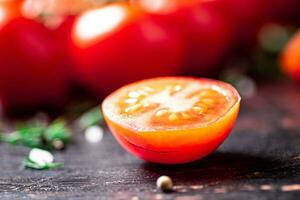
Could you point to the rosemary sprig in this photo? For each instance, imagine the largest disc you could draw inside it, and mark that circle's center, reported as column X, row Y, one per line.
column 90, row 118
column 40, row 159
column 27, row 163
column 39, row 135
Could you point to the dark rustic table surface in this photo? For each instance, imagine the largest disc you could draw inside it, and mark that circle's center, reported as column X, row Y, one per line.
column 260, row 160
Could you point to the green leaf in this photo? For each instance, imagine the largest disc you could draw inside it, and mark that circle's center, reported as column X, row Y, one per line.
column 27, row 163
column 39, row 135
column 58, row 130
column 11, row 138
column 90, row 118
column 26, row 137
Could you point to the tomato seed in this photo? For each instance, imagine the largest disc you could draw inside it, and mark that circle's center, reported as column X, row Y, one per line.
column 131, row 100
column 173, row 117
column 161, row 112
column 208, row 101
column 197, row 109
column 133, row 108
column 133, row 94
column 148, row 89
column 177, row 88
column 185, row 116
column 143, row 92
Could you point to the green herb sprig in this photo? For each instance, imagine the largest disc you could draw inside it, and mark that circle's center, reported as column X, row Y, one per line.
column 27, row 163
column 39, row 135
column 90, row 118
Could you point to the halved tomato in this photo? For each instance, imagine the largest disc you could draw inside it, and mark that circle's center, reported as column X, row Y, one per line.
column 172, row 119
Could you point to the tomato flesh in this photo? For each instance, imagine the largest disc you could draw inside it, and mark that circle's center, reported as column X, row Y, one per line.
column 172, row 120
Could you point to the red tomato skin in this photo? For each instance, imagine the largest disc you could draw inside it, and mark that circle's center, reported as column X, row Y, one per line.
column 31, row 75
column 206, row 34
column 64, row 30
column 210, row 40
column 62, row 35
column 184, row 155
column 143, row 48
column 245, row 18
column 290, row 58
column 248, row 16
column 283, row 11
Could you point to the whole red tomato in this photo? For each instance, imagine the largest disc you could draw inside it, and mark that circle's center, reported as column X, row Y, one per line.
column 284, row 11
column 117, row 44
column 9, row 10
column 64, row 29
column 62, row 34
column 245, row 17
column 207, row 35
column 31, row 74
column 248, row 16
column 290, row 59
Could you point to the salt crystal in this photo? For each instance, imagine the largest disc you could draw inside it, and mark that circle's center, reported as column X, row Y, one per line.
column 41, row 157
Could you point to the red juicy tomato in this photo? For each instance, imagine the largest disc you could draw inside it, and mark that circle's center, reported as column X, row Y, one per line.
column 30, row 71
column 207, row 34
column 245, row 16
column 64, row 29
column 62, row 34
column 172, row 120
column 117, row 44
column 290, row 60
column 284, row 11
column 9, row 9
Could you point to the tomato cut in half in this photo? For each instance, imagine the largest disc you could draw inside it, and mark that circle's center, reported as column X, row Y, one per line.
column 172, row 120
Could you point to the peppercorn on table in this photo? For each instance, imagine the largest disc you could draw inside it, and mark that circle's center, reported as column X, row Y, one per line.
column 260, row 160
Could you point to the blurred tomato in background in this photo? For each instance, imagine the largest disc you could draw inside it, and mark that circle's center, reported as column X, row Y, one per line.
column 291, row 58
column 129, row 46
column 284, row 11
column 244, row 16
column 206, row 34
column 32, row 73
column 9, row 9
column 49, row 46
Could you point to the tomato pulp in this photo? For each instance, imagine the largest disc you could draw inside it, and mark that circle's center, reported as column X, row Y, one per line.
column 173, row 119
